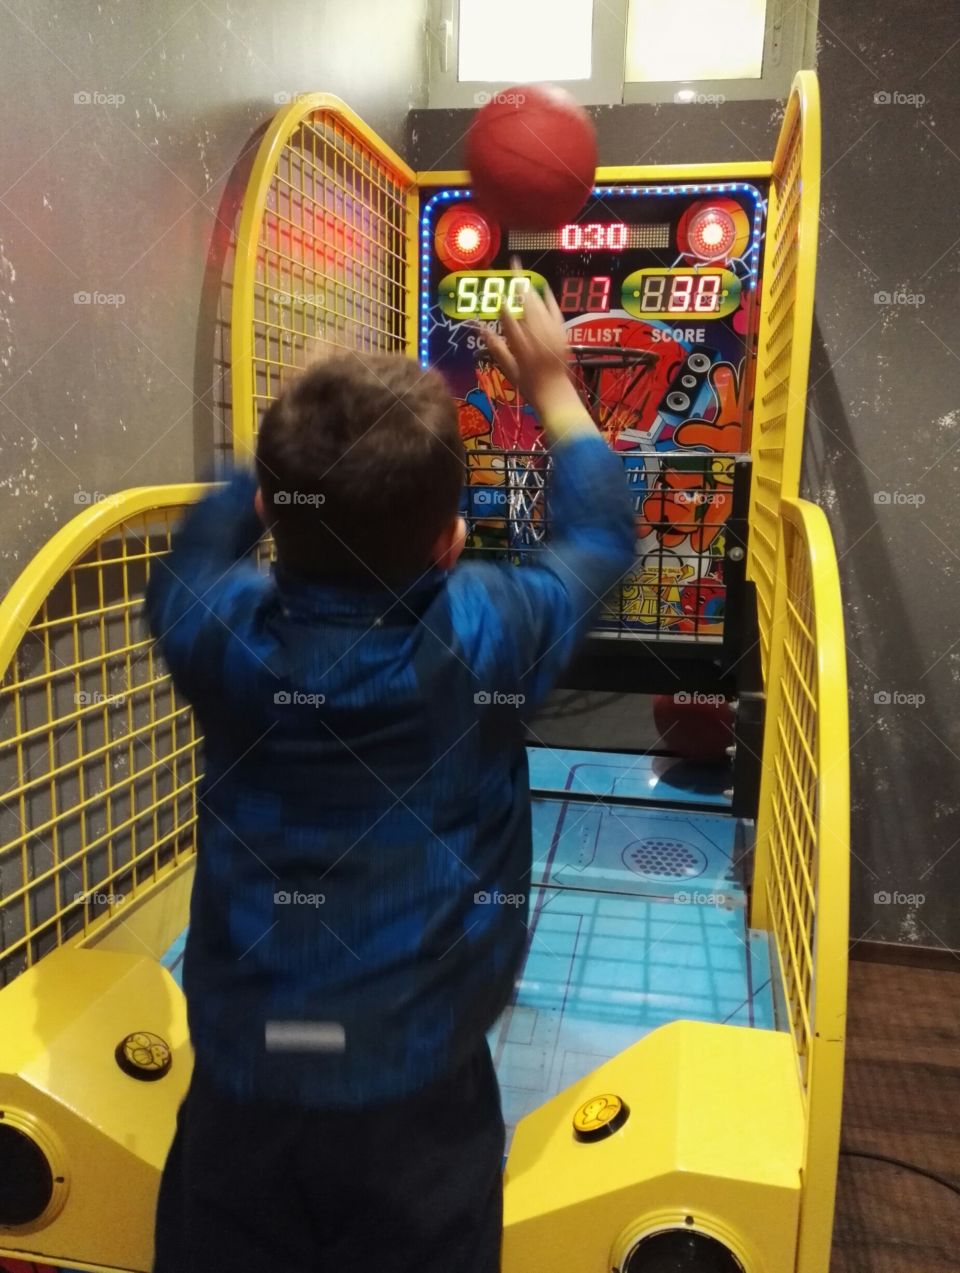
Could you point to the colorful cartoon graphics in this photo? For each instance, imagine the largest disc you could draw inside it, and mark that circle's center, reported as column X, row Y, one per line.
column 502, row 437
column 687, row 508
column 513, row 424
column 658, row 288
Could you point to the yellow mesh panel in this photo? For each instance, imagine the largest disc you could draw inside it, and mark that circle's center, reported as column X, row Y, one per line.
column 98, row 758
column 325, row 256
column 790, row 885
column 786, row 322
column 801, row 879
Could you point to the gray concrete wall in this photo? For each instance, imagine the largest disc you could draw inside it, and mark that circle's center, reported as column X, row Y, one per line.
column 884, row 425
column 884, row 422
column 132, row 194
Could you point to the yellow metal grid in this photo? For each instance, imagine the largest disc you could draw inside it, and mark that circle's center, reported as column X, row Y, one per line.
column 325, row 253
column 783, row 351
column 98, row 758
column 791, row 894
column 801, row 878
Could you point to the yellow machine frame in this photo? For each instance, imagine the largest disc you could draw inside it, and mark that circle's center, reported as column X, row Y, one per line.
column 68, row 628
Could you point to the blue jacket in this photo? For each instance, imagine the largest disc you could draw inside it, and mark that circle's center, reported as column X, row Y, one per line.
column 364, row 849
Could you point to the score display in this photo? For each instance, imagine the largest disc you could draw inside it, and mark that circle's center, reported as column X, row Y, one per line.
column 482, row 294
column 678, row 293
column 705, row 293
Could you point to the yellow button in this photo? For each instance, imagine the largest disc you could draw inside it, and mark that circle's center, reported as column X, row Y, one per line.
column 600, row 1116
column 144, row 1055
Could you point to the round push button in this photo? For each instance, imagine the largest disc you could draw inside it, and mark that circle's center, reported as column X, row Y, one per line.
column 144, row 1056
column 599, row 1117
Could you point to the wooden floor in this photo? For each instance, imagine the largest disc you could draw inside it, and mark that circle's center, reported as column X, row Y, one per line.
column 902, row 1099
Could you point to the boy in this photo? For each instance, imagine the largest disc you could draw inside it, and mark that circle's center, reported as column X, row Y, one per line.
column 365, row 794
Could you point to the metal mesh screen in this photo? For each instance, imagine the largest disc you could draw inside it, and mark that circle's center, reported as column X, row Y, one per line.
column 323, row 258
column 98, row 758
column 783, row 351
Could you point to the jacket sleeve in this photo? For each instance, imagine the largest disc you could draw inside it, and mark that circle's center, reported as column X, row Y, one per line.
column 520, row 626
column 201, row 597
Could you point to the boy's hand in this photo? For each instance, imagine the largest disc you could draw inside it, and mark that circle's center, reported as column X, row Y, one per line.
column 535, row 357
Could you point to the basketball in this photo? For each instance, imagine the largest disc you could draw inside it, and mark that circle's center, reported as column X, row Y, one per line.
column 532, row 155
column 694, row 726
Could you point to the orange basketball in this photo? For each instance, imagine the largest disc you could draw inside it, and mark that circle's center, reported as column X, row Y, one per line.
column 532, row 155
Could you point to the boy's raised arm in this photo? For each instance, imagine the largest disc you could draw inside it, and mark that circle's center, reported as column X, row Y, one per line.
column 203, row 592
column 543, row 611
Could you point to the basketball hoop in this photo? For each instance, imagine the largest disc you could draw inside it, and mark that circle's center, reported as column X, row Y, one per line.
column 611, row 381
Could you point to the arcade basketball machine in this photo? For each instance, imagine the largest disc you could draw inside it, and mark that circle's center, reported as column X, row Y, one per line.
column 671, row 1065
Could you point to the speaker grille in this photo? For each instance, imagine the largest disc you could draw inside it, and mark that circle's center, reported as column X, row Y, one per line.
column 682, row 1251
column 26, row 1179
column 657, row 858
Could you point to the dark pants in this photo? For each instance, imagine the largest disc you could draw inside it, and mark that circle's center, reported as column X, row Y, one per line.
column 410, row 1187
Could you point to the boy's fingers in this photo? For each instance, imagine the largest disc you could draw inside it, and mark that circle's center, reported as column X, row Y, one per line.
column 552, row 305
column 544, row 326
column 512, row 330
column 547, row 310
column 532, row 312
column 501, row 355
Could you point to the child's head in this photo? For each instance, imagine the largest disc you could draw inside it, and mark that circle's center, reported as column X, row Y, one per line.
column 361, row 467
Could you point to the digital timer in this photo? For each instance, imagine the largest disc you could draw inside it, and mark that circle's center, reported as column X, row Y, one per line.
column 707, row 293
column 482, row 294
column 592, row 236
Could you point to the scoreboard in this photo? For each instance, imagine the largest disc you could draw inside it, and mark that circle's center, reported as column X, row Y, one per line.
column 659, row 290
column 669, row 270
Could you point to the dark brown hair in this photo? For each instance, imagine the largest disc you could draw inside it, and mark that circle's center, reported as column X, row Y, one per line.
column 361, row 466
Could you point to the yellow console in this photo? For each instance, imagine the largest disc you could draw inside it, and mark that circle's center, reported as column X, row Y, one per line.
column 698, row 1128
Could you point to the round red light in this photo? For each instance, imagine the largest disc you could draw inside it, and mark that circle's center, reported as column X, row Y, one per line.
column 464, row 238
column 711, row 233
column 469, row 239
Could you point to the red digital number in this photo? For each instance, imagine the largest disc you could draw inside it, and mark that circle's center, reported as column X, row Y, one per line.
column 598, row 294
column 707, row 299
column 571, row 295
column 585, row 295
column 594, row 237
column 681, row 294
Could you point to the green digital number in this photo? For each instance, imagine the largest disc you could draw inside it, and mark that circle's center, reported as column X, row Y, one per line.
column 482, row 294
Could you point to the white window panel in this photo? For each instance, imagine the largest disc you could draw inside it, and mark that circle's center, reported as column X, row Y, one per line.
column 701, row 40
column 697, row 51
column 521, row 41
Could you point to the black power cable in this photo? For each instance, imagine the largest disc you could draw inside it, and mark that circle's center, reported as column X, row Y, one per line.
column 906, row 1166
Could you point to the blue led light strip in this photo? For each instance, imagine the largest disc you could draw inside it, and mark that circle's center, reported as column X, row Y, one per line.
column 599, row 192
